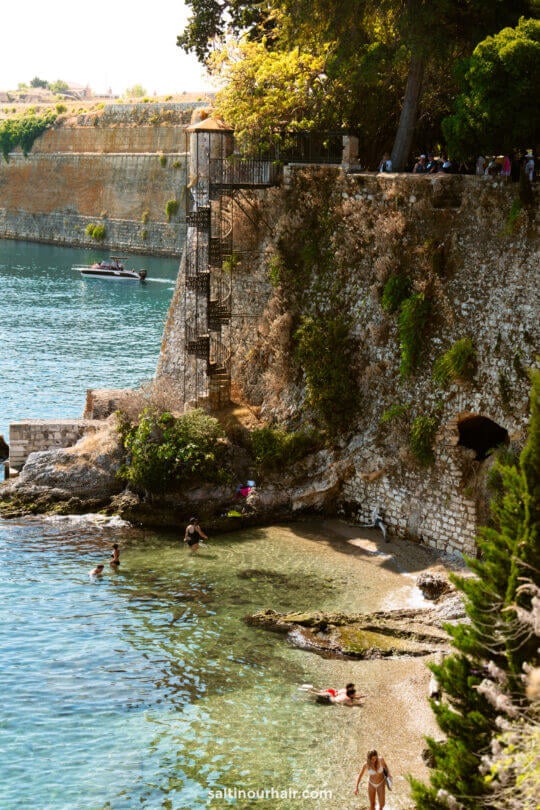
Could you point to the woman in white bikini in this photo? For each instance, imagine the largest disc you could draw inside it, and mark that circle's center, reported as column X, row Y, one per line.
column 375, row 767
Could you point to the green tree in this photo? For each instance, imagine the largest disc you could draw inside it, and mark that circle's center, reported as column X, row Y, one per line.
column 37, row 82
column 497, row 108
column 385, row 62
column 288, row 87
column 59, row 86
column 492, row 645
column 165, row 451
column 137, row 91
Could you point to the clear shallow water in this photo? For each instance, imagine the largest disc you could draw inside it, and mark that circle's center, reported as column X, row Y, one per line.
column 147, row 689
column 61, row 334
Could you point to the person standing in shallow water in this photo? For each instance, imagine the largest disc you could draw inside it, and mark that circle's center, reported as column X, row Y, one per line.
column 193, row 534
column 375, row 767
column 115, row 557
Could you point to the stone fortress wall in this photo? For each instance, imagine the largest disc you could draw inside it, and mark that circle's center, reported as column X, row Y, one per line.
column 487, row 288
column 118, row 167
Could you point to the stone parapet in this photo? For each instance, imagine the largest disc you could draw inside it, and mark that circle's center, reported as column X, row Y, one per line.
column 32, row 435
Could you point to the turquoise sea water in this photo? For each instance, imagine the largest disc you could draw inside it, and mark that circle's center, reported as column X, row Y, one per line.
column 61, row 334
column 146, row 688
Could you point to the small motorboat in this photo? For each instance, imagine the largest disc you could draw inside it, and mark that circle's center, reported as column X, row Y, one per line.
column 113, row 268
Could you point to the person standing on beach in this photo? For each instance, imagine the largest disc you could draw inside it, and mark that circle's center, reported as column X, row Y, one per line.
column 193, row 534
column 378, row 774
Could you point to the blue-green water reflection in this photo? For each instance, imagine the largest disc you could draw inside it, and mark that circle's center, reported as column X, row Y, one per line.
column 61, row 334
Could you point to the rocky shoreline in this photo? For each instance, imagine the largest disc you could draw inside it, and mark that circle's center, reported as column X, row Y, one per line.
column 85, row 478
column 380, row 634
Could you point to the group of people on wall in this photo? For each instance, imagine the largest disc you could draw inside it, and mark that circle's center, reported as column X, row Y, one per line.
column 509, row 165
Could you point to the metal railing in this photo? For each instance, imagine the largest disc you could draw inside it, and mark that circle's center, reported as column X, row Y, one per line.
column 240, row 172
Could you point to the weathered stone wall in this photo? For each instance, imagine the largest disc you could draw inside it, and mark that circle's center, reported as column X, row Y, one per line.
column 32, row 435
column 456, row 238
column 118, row 168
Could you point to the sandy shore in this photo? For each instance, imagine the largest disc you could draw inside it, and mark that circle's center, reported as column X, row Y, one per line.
column 396, row 716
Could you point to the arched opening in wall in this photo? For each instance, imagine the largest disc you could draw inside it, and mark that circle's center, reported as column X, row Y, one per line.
column 481, row 434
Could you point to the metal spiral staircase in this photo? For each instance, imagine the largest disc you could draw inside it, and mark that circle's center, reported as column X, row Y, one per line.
column 209, row 267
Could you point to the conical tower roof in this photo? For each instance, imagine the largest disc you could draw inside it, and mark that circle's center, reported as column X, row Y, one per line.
column 210, row 125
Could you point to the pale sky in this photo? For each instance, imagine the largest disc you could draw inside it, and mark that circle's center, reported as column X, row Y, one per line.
column 106, row 44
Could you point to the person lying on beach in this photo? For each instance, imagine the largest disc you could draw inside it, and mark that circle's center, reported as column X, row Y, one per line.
column 346, row 697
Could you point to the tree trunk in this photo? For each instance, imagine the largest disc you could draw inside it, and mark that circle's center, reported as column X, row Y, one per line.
column 409, row 112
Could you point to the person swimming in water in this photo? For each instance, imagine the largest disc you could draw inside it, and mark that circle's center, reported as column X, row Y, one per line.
column 378, row 777
column 97, row 571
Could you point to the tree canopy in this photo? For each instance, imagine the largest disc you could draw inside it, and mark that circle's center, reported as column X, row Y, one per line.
column 379, row 68
column 498, row 107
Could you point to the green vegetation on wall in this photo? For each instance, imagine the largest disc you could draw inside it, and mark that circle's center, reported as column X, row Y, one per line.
column 396, row 289
column 97, row 231
column 171, row 209
column 422, row 437
column 275, row 448
column 395, row 412
column 325, row 350
column 23, row 130
column 412, row 322
column 458, row 363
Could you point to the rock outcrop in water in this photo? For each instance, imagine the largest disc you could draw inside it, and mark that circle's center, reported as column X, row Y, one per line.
column 414, row 632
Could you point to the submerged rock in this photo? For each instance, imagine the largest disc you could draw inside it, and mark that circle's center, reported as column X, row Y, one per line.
column 373, row 635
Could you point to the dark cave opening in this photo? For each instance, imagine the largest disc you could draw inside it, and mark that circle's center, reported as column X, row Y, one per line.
column 481, row 434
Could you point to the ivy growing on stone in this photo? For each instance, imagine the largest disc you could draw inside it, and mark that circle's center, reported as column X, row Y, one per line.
column 412, row 322
column 396, row 289
column 458, row 363
column 422, row 437
column 23, row 130
column 326, row 350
